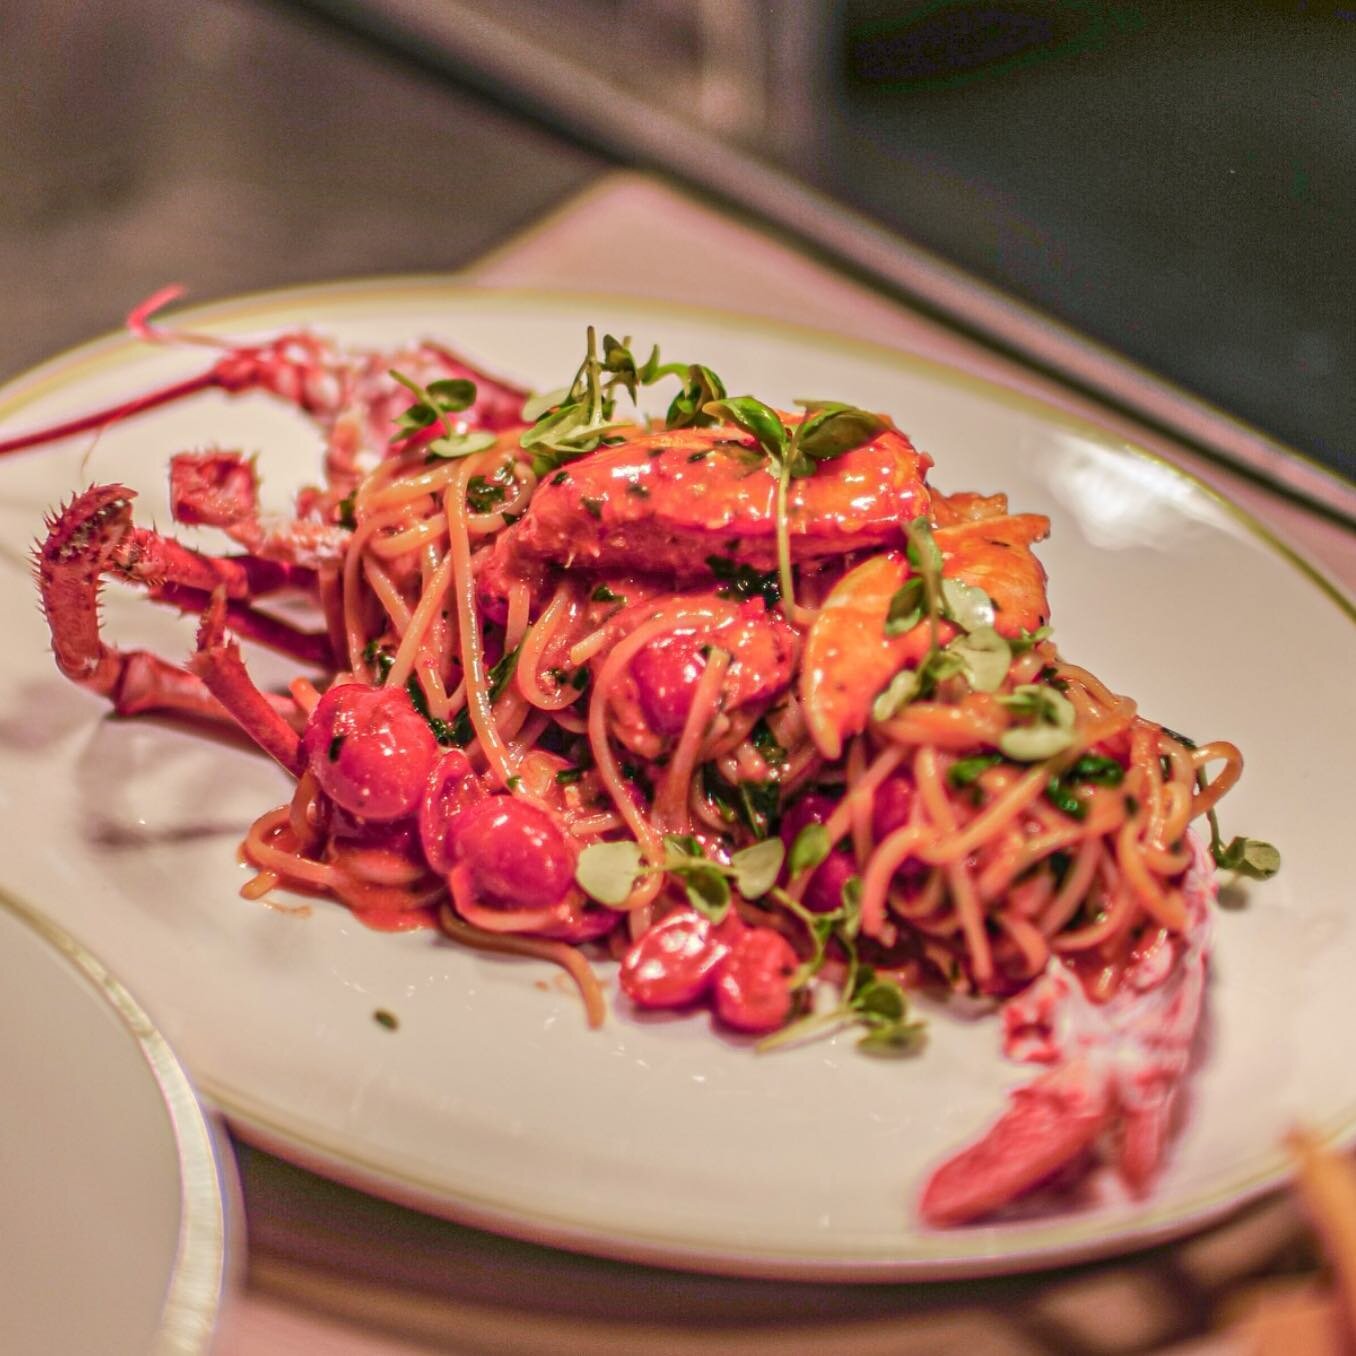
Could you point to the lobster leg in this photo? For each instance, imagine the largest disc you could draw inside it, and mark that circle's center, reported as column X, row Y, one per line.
column 218, row 664
column 94, row 536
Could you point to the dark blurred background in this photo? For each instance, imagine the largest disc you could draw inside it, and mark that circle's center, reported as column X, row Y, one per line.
column 1174, row 179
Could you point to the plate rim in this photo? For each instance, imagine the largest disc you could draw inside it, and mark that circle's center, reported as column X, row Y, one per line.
column 1037, row 1245
column 197, row 1282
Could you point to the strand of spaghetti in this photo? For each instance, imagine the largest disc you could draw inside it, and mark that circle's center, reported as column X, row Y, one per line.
column 378, row 866
column 570, row 721
column 1144, row 756
column 1077, row 881
column 301, row 812
column 840, row 821
column 972, row 722
column 582, row 651
column 1165, row 907
column 971, row 914
column 497, row 757
column 354, row 634
column 260, row 884
column 956, row 844
column 671, row 802
column 425, row 532
column 427, row 483
column 381, row 475
column 304, row 694
column 264, row 853
column 1028, row 897
column 515, row 626
column 559, row 953
column 1116, row 921
column 928, row 778
column 483, row 524
column 1223, row 781
column 1029, row 940
column 527, row 675
column 387, row 594
column 1094, row 685
column 430, row 601
column 927, row 901
column 331, row 595
column 594, row 826
column 890, row 854
column 996, row 878
column 526, row 738
column 861, row 813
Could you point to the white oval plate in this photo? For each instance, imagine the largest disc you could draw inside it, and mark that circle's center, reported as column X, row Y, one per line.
column 658, row 1140
column 109, row 1187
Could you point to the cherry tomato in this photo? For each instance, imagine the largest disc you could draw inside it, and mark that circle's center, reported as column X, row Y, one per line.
column 672, row 963
column 517, row 855
column 752, row 988
column 892, row 806
column 369, row 750
column 824, row 890
column 453, row 788
column 666, row 673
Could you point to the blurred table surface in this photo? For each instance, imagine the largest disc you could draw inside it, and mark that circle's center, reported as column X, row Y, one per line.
column 330, row 1270
column 266, row 152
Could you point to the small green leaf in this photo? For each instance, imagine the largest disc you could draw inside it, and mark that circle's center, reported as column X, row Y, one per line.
column 707, row 891
column 1249, row 857
column 689, row 406
column 607, row 871
column 830, row 429
column 756, row 868
column 499, row 675
column 894, row 1041
column 750, row 414
column 969, row 607
column 880, row 998
column 1062, row 796
column 536, row 406
column 811, row 847
column 985, row 656
column 923, row 551
column 1041, row 702
column 682, row 846
column 1034, row 743
column 966, row 771
column 456, row 445
column 906, row 607
column 1092, row 767
column 902, row 689
column 1028, row 640
column 453, row 394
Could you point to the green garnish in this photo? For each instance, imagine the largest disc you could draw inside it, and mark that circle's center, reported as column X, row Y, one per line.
column 436, row 403
column 828, row 430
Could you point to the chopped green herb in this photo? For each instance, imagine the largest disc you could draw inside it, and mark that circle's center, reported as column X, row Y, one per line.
column 560, row 478
column 387, row 1019
column 767, row 744
column 336, row 745
column 966, row 771
column 593, row 507
column 346, row 511
column 498, row 676
column 743, row 581
column 811, row 847
column 568, row 776
column 906, row 607
column 603, row 594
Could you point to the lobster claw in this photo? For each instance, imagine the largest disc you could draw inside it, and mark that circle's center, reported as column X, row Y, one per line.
column 1048, row 1125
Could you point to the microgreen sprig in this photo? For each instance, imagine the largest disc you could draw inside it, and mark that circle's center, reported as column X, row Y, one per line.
column 828, row 430
column 436, row 403
column 580, row 417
